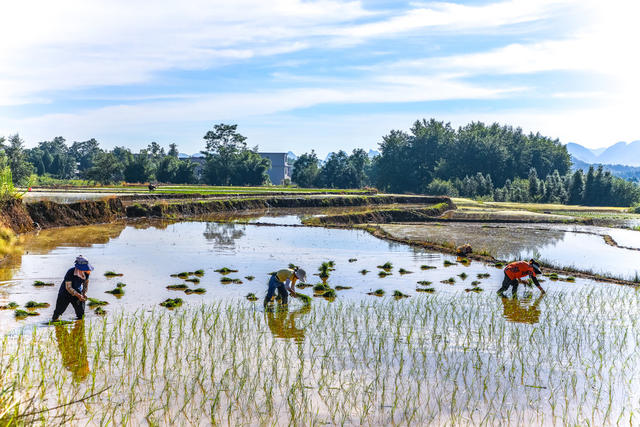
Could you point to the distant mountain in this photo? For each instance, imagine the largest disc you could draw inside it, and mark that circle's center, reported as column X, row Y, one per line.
column 630, row 173
column 621, row 153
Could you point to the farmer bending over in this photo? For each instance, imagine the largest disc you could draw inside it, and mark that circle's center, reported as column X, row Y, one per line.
column 73, row 289
column 284, row 280
column 516, row 271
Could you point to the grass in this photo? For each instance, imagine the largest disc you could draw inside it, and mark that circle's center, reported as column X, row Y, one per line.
column 432, row 360
column 40, row 284
column 112, row 274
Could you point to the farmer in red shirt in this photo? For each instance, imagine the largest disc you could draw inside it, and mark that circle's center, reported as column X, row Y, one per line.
column 517, row 270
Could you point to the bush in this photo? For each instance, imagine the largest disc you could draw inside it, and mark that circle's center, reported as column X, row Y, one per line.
column 439, row 187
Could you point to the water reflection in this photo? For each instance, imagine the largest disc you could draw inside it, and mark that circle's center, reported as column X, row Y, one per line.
column 521, row 310
column 282, row 323
column 73, row 349
column 223, row 234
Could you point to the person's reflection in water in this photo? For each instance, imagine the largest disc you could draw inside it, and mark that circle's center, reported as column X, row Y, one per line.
column 521, row 311
column 73, row 349
column 282, row 323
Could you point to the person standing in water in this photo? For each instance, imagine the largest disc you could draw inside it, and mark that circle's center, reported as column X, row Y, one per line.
column 516, row 271
column 73, row 289
column 284, row 281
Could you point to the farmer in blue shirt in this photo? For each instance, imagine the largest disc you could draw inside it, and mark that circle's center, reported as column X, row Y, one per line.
column 73, row 289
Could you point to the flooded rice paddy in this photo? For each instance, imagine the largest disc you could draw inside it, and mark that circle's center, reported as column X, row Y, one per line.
column 578, row 246
column 448, row 357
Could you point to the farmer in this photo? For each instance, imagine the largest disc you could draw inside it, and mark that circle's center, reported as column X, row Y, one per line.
column 516, row 271
column 73, row 289
column 284, row 280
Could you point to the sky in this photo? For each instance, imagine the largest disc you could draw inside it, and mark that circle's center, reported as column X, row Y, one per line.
column 316, row 74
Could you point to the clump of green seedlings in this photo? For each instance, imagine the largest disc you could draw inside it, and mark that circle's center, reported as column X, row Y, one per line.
column 342, row 288
column 324, row 270
column 179, row 287
column 34, row 304
column 249, row 278
column 237, row 281
column 386, row 266
column 40, row 284
column 199, row 272
column 553, row 276
column 427, row 267
column 398, row 295
column 475, row 287
column 172, row 303
column 498, row 264
column 465, row 261
column 306, row 299
column 384, row 273
column 118, row 291
column 226, row 270
column 193, row 280
column 463, row 275
column 428, row 290
column 570, row 279
column 93, row 302
column 21, row 314
column 448, row 263
column 353, row 259
column 363, row 271
column 483, row 275
column 321, row 288
column 100, row 311
column 330, row 294
column 112, row 274
column 449, row 281
column 303, row 285
column 226, row 280
column 10, row 306
column 424, row 282
column 195, row 291
column 377, row 292
column 403, row 271
column 251, row 296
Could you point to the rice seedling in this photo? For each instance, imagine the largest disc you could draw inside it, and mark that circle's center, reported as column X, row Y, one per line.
column 249, row 278
column 383, row 274
column 303, row 285
column 118, row 292
column 9, row 306
column 342, row 288
column 226, row 280
column 498, row 264
column 199, row 291
column 178, row 287
column 553, row 276
column 449, row 281
column 21, row 314
column 292, row 266
column 226, row 270
column 463, row 275
column 93, row 302
column 427, row 290
column 424, row 282
column 237, row 281
column 398, row 295
column 251, row 296
column 377, row 292
column 34, row 304
column 483, row 275
column 321, row 288
column 427, row 267
column 353, row 259
column 120, row 285
column 172, row 303
column 570, row 279
column 332, row 265
column 324, row 270
column 464, row 261
column 100, row 311
column 40, row 284
column 306, row 299
column 448, row 263
column 199, row 272
column 193, row 280
column 329, row 294
column 403, row 271
column 110, row 273
column 475, row 287
column 363, row 271
column 386, row 266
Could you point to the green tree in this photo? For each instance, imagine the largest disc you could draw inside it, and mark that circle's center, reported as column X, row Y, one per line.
column 140, row 169
column 16, row 158
column 306, row 169
column 576, row 188
column 106, row 169
column 167, row 169
column 173, row 150
column 185, row 172
column 223, row 148
column 83, row 152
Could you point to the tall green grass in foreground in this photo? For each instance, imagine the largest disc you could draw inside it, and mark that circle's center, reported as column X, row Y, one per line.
column 442, row 359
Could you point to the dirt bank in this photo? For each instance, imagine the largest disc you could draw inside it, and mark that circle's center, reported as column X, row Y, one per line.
column 14, row 215
column 191, row 209
column 46, row 214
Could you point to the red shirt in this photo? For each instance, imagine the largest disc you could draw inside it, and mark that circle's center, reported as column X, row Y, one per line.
column 519, row 269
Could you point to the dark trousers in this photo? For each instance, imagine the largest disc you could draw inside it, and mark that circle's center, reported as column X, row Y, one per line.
column 275, row 284
column 508, row 282
column 63, row 301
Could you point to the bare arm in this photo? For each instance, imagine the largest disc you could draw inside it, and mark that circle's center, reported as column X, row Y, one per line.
column 535, row 282
column 85, row 287
column 290, row 285
column 73, row 292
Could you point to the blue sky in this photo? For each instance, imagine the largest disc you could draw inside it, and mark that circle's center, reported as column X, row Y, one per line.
column 324, row 75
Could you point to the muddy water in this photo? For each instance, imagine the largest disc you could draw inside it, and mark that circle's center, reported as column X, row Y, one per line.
column 147, row 253
column 582, row 247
